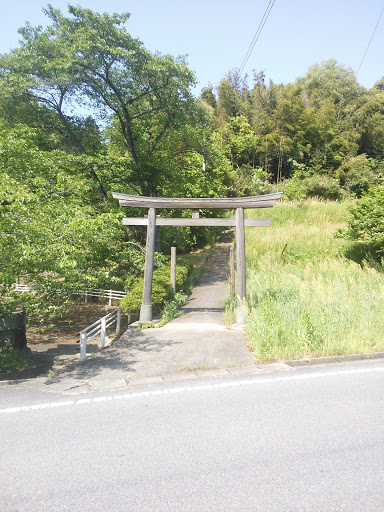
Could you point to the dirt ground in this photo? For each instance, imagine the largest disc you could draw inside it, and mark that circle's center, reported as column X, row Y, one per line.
column 67, row 330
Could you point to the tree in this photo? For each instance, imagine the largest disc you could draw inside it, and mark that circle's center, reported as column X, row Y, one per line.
column 233, row 96
column 371, row 121
column 54, row 233
column 90, row 58
column 208, row 96
column 330, row 79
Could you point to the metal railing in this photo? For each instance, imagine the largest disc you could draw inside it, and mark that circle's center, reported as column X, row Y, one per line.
column 99, row 328
column 106, row 294
column 21, row 288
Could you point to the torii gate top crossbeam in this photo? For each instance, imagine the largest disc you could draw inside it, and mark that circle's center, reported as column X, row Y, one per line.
column 263, row 201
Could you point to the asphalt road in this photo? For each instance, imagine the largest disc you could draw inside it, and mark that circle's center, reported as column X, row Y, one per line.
column 308, row 439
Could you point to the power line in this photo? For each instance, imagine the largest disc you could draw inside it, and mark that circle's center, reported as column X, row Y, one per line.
column 369, row 44
column 257, row 34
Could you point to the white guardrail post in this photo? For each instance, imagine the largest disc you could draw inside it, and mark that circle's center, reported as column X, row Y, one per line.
column 118, row 321
column 83, row 345
column 103, row 331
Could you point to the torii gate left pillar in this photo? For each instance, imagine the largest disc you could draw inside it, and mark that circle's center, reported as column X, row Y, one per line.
column 146, row 306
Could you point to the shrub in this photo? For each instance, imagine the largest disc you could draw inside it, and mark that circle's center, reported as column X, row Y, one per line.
column 317, row 185
column 356, row 175
column 365, row 229
column 132, row 301
column 251, row 181
column 187, row 238
column 171, row 308
column 161, row 287
column 14, row 360
column 161, row 291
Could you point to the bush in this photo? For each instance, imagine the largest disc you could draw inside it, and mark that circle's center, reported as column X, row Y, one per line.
column 251, row 182
column 172, row 307
column 317, row 185
column 182, row 275
column 161, row 287
column 187, row 238
column 132, row 301
column 14, row 360
column 161, row 291
column 365, row 229
column 356, row 175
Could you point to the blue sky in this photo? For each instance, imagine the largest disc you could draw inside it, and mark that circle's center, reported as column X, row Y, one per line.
column 216, row 34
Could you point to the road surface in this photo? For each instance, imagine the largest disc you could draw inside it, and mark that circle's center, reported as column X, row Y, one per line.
column 308, row 439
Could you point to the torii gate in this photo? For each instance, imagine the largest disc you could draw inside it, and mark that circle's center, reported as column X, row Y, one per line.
column 239, row 221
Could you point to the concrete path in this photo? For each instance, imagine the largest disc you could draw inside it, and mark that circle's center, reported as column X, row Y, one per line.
column 198, row 339
column 195, row 342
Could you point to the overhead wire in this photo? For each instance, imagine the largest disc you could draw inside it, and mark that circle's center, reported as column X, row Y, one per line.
column 257, row 34
column 369, row 44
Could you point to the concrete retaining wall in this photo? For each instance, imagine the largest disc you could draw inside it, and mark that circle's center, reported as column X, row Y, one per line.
column 13, row 329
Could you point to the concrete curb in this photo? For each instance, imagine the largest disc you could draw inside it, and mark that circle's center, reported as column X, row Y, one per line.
column 106, row 384
column 334, row 359
column 247, row 370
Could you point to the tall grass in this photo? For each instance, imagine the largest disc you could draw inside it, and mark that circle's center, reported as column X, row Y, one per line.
column 309, row 300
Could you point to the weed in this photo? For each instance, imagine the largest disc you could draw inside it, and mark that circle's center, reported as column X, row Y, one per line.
column 144, row 325
column 171, row 308
column 312, row 301
column 197, row 366
column 13, row 360
column 229, row 306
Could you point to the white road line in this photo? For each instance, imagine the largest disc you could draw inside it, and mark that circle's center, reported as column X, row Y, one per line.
column 202, row 387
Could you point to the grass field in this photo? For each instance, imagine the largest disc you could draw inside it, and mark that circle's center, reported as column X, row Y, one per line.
column 309, row 300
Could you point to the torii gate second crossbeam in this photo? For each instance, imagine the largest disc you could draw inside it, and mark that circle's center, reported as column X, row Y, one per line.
column 153, row 203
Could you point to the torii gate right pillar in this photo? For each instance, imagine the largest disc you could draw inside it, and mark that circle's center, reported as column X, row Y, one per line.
column 241, row 318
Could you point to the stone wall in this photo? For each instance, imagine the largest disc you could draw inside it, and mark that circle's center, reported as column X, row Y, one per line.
column 13, row 329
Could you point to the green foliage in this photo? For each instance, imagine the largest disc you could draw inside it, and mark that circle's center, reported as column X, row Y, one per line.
column 172, row 307
column 13, row 360
column 320, row 120
column 252, row 182
column 356, row 175
column 54, row 233
column 306, row 227
column 322, row 135
column 161, row 291
column 182, row 274
column 132, row 301
column 317, row 185
column 188, row 239
column 365, row 231
column 161, row 288
column 327, row 308
column 90, row 58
